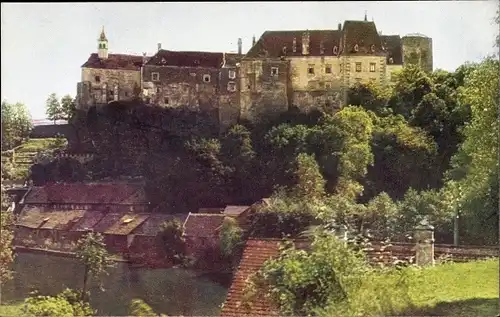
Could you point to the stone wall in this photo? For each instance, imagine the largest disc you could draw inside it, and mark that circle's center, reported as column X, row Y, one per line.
column 264, row 87
column 417, row 50
column 100, row 86
column 193, row 87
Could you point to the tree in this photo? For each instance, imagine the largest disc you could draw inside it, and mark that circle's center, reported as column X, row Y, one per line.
column 68, row 107
column 16, row 124
column 91, row 251
column 310, row 184
column 53, row 107
column 230, row 237
column 173, row 242
column 6, row 237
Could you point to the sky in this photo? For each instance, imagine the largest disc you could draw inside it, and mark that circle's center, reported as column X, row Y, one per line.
column 44, row 44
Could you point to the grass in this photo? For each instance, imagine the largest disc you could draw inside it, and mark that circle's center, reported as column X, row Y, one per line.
column 456, row 289
column 36, row 145
column 11, row 309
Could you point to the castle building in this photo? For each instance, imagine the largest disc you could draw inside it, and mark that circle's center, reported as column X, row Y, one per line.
column 306, row 69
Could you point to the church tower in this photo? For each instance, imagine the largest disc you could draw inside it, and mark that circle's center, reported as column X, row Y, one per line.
column 102, row 49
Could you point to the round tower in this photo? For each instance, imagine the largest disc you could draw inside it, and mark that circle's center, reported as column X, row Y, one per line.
column 102, row 47
column 417, row 50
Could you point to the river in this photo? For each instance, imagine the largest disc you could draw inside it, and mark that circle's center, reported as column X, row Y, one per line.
column 168, row 291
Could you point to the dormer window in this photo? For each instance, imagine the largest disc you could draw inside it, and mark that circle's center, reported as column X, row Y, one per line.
column 284, row 50
column 163, row 61
column 356, row 47
column 335, row 50
column 321, row 48
column 274, row 71
column 232, row 74
column 206, row 78
column 391, row 61
column 231, row 86
column 155, row 76
column 372, row 48
column 294, row 45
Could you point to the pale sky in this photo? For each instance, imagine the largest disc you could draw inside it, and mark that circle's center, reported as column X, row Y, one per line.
column 44, row 45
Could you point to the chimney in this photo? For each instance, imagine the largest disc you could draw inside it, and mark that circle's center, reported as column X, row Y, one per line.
column 253, row 40
column 239, row 46
column 305, row 43
column 159, row 46
column 340, row 26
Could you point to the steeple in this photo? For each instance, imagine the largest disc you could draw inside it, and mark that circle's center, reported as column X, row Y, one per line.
column 102, row 47
column 366, row 19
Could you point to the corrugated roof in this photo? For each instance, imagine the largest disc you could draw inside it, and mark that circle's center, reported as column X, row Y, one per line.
column 186, row 59
column 115, row 61
column 255, row 254
column 235, row 210
column 271, row 43
column 51, row 219
column 152, row 225
column 202, row 225
column 126, row 224
column 81, row 193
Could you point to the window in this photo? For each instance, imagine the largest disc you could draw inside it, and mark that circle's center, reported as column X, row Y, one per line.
column 155, row 76
column 372, row 48
column 158, row 90
column 356, row 47
column 372, row 67
column 231, row 86
column 206, row 78
column 97, row 79
column 166, row 101
column 232, row 74
column 358, row 67
column 126, row 94
column 274, row 71
column 391, row 61
column 310, row 70
column 328, row 69
column 192, row 74
column 335, row 50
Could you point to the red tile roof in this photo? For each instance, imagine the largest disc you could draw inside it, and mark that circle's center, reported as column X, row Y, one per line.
column 115, row 61
column 126, row 224
column 202, row 225
column 255, row 254
column 32, row 217
column 186, row 59
column 272, row 42
column 80, row 193
column 89, row 219
column 152, row 225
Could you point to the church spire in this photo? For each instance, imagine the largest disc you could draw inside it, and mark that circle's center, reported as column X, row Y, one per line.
column 102, row 47
column 366, row 19
column 103, row 35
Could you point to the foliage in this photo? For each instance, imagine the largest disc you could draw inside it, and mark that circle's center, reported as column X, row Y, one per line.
column 91, row 251
column 331, row 273
column 6, row 238
column 139, row 308
column 67, row 303
column 173, row 241
column 68, row 107
column 310, row 185
column 16, row 124
column 230, row 237
column 475, row 170
column 53, row 108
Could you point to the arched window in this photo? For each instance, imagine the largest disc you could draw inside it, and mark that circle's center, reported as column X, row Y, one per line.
column 356, row 47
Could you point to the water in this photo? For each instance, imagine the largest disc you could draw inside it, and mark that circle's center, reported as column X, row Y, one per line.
column 168, row 291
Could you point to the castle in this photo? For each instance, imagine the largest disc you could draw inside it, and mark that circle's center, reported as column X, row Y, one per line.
column 307, row 69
